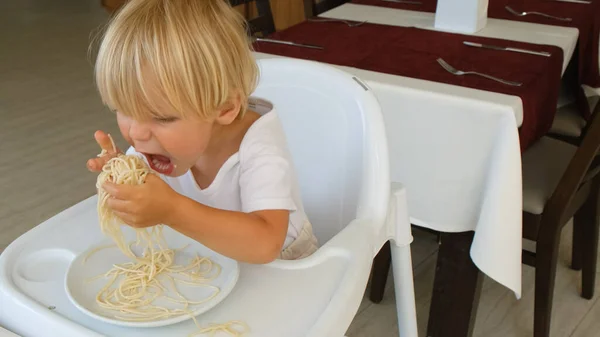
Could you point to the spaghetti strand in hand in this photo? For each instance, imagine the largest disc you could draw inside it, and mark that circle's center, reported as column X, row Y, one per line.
column 109, row 151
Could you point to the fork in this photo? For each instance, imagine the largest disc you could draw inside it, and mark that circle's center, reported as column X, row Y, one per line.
column 349, row 23
column 457, row 72
column 512, row 11
column 586, row 2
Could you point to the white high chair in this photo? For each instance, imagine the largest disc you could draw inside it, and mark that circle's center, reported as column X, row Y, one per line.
column 337, row 138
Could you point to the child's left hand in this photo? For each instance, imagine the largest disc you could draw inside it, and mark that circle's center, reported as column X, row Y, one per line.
column 145, row 205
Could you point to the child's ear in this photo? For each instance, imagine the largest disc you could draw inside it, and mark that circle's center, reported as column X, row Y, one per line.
column 230, row 110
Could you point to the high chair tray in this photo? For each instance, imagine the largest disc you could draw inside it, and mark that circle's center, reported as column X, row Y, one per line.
column 274, row 300
column 6, row 333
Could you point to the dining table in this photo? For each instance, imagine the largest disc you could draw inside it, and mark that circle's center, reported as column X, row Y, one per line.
column 455, row 140
column 579, row 14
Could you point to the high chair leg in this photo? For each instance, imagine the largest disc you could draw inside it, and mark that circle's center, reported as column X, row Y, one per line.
column 404, row 287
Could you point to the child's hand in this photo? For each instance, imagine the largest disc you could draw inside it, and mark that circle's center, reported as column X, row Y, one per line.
column 96, row 164
column 145, row 205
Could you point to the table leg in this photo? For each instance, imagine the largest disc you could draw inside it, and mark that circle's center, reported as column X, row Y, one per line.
column 456, row 288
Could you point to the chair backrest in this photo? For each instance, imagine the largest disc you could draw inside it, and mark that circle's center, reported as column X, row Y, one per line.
column 336, row 136
column 316, row 7
column 582, row 170
column 264, row 22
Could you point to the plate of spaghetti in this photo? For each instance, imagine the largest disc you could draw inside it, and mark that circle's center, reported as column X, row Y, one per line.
column 157, row 288
column 145, row 277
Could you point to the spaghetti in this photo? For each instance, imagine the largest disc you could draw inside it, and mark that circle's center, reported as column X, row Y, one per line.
column 133, row 287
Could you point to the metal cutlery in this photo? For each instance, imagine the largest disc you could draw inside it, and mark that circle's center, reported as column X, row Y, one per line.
column 349, row 23
column 575, row 1
column 408, row 2
column 512, row 11
column 517, row 50
column 288, row 43
column 457, row 72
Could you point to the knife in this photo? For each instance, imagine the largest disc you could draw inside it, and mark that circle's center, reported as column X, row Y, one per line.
column 408, row 2
column 289, row 43
column 576, row 1
column 517, row 50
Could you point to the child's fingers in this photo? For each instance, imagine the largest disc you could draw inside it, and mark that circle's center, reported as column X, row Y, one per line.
column 96, row 164
column 126, row 218
column 118, row 205
column 104, row 142
column 119, row 191
column 91, row 165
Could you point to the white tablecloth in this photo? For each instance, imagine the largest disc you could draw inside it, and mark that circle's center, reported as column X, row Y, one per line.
column 457, row 149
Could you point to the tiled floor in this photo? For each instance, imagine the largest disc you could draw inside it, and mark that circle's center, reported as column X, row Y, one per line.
column 49, row 110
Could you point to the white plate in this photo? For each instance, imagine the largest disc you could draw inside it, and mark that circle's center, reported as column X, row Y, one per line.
column 82, row 292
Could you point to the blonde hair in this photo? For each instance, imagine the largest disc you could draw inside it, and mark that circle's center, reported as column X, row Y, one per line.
column 195, row 52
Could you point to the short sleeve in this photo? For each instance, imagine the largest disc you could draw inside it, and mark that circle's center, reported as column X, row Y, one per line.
column 266, row 179
column 266, row 182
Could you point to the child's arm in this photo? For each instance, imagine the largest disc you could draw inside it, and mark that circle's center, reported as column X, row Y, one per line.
column 249, row 237
column 255, row 237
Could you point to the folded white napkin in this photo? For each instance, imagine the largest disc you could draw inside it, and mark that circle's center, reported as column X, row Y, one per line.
column 462, row 16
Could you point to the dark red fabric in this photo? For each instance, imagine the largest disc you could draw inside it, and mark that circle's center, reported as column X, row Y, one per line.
column 413, row 53
column 586, row 18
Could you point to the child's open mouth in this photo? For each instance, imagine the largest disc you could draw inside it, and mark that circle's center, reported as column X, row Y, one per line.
column 160, row 163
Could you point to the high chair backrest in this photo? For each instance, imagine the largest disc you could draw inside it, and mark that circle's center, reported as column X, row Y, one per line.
column 336, row 136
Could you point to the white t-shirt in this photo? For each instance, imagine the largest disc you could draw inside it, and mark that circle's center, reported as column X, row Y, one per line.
column 260, row 176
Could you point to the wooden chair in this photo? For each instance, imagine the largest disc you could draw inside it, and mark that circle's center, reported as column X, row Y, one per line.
column 263, row 24
column 316, row 7
column 568, row 124
column 560, row 182
column 569, row 127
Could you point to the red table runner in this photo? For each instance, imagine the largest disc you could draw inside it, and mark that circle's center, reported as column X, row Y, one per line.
column 413, row 53
column 585, row 17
